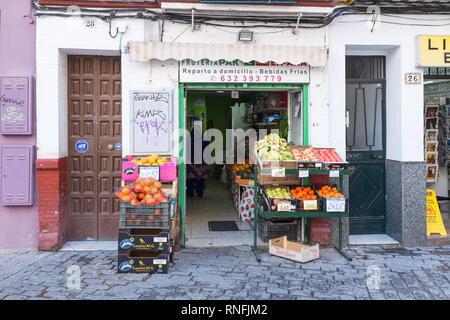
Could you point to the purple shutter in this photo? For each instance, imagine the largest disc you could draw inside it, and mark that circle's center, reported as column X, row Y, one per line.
column 16, row 183
column 15, row 105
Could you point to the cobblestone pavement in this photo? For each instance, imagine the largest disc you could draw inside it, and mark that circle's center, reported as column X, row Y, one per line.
column 232, row 273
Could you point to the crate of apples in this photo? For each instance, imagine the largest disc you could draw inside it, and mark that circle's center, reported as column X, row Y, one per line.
column 304, row 154
column 327, row 155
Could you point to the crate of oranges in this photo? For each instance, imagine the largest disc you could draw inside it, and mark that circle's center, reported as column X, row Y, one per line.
column 306, row 199
column 332, row 200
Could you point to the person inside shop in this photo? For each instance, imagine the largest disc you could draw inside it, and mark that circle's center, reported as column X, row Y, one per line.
column 196, row 173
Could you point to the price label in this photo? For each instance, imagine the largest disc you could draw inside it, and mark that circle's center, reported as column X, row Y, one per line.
column 309, row 204
column 318, row 165
column 334, row 173
column 149, row 172
column 278, row 172
column 284, row 206
column 335, row 205
column 303, row 173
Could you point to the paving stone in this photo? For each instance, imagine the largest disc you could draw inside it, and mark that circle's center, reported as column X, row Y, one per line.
column 116, row 282
column 230, row 273
column 275, row 290
column 15, row 297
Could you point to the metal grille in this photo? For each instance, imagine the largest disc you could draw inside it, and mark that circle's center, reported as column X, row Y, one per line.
column 366, row 67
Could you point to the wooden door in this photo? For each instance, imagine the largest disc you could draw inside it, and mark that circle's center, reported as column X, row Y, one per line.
column 95, row 130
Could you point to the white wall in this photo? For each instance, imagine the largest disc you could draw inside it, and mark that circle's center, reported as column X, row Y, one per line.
column 404, row 103
column 57, row 37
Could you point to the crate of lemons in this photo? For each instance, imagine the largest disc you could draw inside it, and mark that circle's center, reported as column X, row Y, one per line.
column 153, row 160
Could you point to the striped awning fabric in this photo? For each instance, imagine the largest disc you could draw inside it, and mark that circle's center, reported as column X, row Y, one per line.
column 144, row 51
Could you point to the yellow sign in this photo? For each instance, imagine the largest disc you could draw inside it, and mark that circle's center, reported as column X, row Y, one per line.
column 435, row 225
column 309, row 204
column 434, row 51
column 284, row 206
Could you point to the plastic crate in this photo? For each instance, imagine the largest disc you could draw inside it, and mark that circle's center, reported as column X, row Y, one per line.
column 269, row 203
column 300, row 204
column 271, row 228
column 143, row 216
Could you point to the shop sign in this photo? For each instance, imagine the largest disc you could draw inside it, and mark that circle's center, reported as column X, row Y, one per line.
column 434, row 51
column 221, row 71
column 435, row 225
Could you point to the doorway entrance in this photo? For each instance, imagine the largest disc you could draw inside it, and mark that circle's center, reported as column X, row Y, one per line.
column 211, row 105
column 94, row 146
column 365, row 136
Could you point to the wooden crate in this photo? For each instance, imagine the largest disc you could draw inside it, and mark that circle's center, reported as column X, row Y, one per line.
column 267, row 164
column 289, row 179
column 299, row 252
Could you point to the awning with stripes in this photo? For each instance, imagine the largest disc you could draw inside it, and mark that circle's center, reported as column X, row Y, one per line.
column 144, row 51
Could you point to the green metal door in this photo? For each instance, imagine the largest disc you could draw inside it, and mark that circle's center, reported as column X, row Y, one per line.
column 365, row 135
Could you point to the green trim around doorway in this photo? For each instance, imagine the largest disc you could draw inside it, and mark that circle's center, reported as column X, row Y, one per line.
column 305, row 115
column 181, row 187
column 224, row 86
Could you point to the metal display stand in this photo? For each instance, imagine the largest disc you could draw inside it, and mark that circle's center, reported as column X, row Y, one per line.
column 304, row 215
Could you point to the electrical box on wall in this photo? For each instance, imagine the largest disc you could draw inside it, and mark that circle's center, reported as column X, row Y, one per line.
column 16, row 175
column 16, row 105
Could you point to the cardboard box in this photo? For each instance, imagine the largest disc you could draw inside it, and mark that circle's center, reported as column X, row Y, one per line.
column 299, row 252
column 246, row 182
column 143, row 240
column 143, row 262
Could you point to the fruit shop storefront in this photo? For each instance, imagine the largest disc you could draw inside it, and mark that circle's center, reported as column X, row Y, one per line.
column 285, row 94
column 102, row 90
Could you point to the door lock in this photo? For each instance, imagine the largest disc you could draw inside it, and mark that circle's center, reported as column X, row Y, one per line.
column 110, row 147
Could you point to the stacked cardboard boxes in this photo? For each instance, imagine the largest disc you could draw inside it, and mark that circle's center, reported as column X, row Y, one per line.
column 145, row 243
